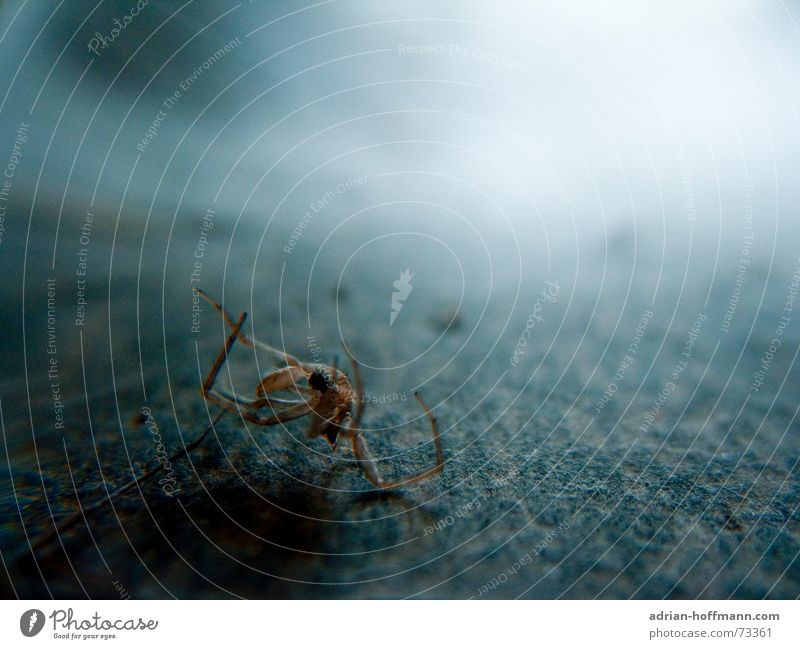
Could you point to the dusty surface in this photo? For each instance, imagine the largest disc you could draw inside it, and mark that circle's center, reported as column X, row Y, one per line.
column 541, row 497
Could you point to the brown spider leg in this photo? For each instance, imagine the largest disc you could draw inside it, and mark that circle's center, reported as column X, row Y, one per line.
column 247, row 408
column 359, row 390
column 246, row 340
column 285, row 379
column 371, row 470
column 316, row 424
column 223, row 355
column 258, row 403
column 244, row 407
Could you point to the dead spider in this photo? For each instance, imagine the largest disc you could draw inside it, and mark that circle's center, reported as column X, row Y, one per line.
column 322, row 392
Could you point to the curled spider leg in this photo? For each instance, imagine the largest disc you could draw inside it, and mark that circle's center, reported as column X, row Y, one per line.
column 246, row 408
column 277, row 354
column 285, row 379
column 371, row 469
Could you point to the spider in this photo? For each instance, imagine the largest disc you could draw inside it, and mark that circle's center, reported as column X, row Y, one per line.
column 323, row 393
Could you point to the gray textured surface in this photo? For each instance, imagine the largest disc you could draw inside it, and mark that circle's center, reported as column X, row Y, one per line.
column 703, row 504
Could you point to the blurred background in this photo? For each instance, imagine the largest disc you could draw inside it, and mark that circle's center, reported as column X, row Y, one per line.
column 596, row 204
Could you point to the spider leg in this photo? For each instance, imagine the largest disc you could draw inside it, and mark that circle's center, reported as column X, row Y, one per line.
column 238, row 405
column 359, row 390
column 316, row 425
column 277, row 354
column 247, row 408
column 223, row 355
column 371, row 469
column 260, row 402
column 286, row 379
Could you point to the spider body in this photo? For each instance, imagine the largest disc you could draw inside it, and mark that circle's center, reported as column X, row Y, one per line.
column 321, row 392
